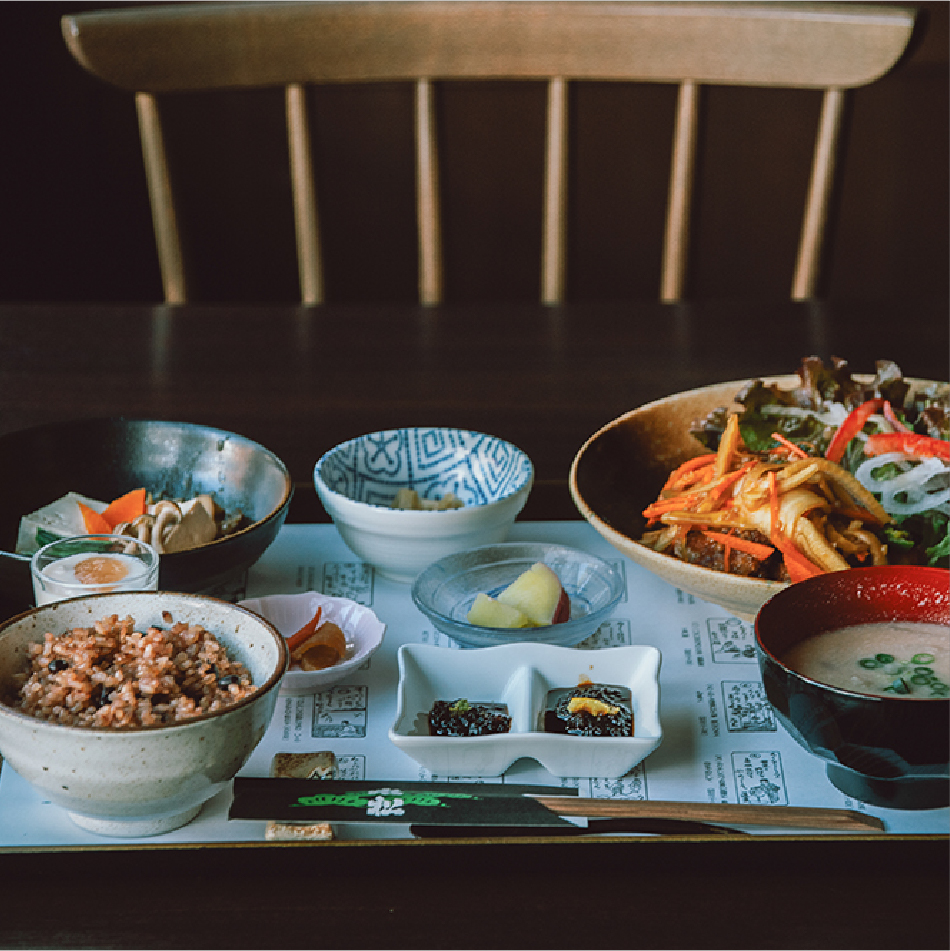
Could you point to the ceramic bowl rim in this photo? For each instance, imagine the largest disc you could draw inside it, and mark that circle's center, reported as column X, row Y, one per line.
column 524, row 485
column 830, row 688
column 273, row 680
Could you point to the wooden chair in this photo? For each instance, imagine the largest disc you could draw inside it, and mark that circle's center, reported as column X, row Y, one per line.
column 156, row 49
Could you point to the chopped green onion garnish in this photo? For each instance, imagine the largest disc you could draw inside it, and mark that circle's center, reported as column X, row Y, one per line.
column 899, row 686
column 869, row 663
column 920, row 679
column 922, row 659
column 885, row 658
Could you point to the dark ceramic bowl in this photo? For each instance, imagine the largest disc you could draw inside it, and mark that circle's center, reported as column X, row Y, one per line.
column 103, row 458
column 886, row 751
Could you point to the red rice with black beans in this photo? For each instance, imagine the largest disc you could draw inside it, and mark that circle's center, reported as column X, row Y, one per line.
column 111, row 675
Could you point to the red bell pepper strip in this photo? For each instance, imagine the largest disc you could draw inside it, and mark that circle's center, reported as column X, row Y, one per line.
column 908, row 443
column 893, row 418
column 853, row 424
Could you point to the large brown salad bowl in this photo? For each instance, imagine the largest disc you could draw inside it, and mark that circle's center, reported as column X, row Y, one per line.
column 621, row 469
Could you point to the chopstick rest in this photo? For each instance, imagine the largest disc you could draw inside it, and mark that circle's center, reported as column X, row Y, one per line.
column 320, row 765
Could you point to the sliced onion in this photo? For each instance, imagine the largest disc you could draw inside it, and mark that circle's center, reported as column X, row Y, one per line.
column 922, row 502
column 835, row 414
column 914, row 476
column 924, row 485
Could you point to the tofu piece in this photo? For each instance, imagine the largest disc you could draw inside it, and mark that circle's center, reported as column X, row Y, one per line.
column 59, row 519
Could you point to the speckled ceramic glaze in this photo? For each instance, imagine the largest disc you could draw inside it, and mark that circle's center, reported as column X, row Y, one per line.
column 620, row 470
column 358, row 480
column 147, row 780
column 887, row 751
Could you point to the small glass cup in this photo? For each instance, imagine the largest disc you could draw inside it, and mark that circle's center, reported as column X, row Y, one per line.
column 93, row 564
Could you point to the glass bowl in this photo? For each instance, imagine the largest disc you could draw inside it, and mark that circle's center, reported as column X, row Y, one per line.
column 444, row 592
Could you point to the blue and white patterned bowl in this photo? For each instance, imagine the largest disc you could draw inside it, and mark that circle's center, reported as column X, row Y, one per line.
column 358, row 480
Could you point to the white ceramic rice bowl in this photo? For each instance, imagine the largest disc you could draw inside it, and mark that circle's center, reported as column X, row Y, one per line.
column 147, row 780
column 357, row 481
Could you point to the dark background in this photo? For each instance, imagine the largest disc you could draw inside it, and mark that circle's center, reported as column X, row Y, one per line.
column 76, row 224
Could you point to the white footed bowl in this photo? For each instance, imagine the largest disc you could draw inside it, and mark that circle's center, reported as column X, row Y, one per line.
column 357, row 481
column 145, row 780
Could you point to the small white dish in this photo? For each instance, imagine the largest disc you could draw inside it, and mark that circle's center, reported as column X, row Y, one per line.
column 520, row 675
column 289, row 612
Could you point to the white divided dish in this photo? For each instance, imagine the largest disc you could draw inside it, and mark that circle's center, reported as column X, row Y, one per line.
column 520, row 675
column 289, row 612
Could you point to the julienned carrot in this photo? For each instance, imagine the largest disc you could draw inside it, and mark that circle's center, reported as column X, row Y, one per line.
column 798, row 565
column 306, row 631
column 703, row 493
column 688, row 466
column 125, row 508
column 94, row 522
column 730, row 478
column 790, row 446
column 757, row 550
column 665, row 505
column 692, row 479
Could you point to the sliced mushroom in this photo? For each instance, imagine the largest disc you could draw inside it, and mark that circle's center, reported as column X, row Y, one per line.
column 140, row 528
column 143, row 526
column 195, row 528
column 167, row 517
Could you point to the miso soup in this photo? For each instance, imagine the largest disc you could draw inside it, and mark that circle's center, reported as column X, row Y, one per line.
column 894, row 659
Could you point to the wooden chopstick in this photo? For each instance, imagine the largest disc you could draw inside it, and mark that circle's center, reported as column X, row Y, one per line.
column 798, row 817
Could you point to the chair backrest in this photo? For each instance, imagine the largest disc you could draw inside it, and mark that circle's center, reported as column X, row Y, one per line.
column 156, row 49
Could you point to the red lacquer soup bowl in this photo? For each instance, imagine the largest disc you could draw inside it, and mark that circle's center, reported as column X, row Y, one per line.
column 892, row 750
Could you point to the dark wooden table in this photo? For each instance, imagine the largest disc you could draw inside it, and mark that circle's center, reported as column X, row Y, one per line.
column 301, row 380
